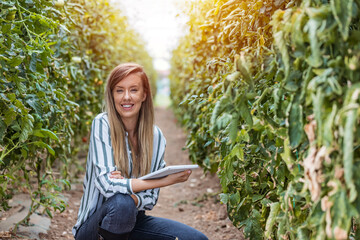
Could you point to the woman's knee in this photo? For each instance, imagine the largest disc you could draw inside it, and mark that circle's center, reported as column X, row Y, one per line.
column 120, row 212
column 121, row 203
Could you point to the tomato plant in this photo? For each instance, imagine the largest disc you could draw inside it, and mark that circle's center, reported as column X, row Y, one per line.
column 271, row 104
column 36, row 115
column 54, row 59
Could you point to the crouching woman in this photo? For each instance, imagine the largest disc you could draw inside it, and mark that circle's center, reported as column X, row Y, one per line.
column 124, row 145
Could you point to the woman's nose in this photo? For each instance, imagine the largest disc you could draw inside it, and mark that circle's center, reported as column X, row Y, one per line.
column 127, row 95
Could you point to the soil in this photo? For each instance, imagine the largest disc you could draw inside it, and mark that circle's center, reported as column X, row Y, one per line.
column 195, row 202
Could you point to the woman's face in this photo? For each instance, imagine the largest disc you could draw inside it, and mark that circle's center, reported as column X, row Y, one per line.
column 128, row 96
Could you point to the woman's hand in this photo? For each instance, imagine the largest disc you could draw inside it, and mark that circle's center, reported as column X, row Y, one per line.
column 116, row 175
column 178, row 177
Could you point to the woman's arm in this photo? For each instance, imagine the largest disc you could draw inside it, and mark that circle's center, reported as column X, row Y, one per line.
column 139, row 185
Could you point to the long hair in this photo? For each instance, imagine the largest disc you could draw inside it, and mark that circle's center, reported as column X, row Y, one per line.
column 145, row 124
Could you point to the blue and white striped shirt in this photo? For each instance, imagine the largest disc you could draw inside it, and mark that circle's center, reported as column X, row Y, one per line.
column 98, row 186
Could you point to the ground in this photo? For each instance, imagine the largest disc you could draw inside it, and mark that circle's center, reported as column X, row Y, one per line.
column 195, row 202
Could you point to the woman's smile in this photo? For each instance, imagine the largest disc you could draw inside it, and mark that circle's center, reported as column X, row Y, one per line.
column 127, row 106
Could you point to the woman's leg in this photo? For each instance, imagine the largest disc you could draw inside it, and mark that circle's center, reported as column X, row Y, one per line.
column 149, row 227
column 116, row 216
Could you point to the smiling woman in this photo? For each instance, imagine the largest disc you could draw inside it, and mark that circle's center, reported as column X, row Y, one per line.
column 125, row 145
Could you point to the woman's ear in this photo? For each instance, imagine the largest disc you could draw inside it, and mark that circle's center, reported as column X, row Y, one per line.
column 144, row 97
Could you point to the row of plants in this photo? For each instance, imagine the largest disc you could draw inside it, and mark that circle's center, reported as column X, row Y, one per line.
column 54, row 60
column 271, row 104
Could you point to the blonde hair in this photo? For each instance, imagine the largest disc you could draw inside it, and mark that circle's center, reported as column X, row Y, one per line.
column 145, row 124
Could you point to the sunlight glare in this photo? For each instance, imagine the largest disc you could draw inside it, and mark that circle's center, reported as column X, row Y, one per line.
column 159, row 22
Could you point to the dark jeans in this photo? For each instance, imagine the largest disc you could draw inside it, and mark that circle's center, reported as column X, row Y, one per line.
column 119, row 215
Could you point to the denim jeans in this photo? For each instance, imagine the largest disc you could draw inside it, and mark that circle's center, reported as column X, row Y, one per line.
column 119, row 215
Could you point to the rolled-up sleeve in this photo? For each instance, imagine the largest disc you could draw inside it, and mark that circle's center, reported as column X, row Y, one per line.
column 103, row 160
column 147, row 199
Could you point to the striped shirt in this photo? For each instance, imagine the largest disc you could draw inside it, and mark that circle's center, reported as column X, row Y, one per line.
column 98, row 186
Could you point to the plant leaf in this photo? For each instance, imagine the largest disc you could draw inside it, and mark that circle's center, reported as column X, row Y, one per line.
column 296, row 124
column 274, row 210
column 27, row 128
column 348, row 147
column 45, row 145
column 342, row 11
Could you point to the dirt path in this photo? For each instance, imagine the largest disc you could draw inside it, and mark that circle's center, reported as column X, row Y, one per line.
column 194, row 202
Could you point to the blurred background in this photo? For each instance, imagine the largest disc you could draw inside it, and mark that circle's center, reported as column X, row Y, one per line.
column 161, row 25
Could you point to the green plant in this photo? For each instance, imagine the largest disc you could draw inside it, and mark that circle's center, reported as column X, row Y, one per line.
column 54, row 59
column 271, row 104
column 36, row 115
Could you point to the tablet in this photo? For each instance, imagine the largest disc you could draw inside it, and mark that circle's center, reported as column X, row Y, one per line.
column 168, row 170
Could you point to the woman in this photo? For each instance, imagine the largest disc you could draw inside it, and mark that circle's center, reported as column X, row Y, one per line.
column 125, row 145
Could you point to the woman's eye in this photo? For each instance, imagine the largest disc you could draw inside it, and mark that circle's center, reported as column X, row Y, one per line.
column 119, row 91
column 133, row 90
